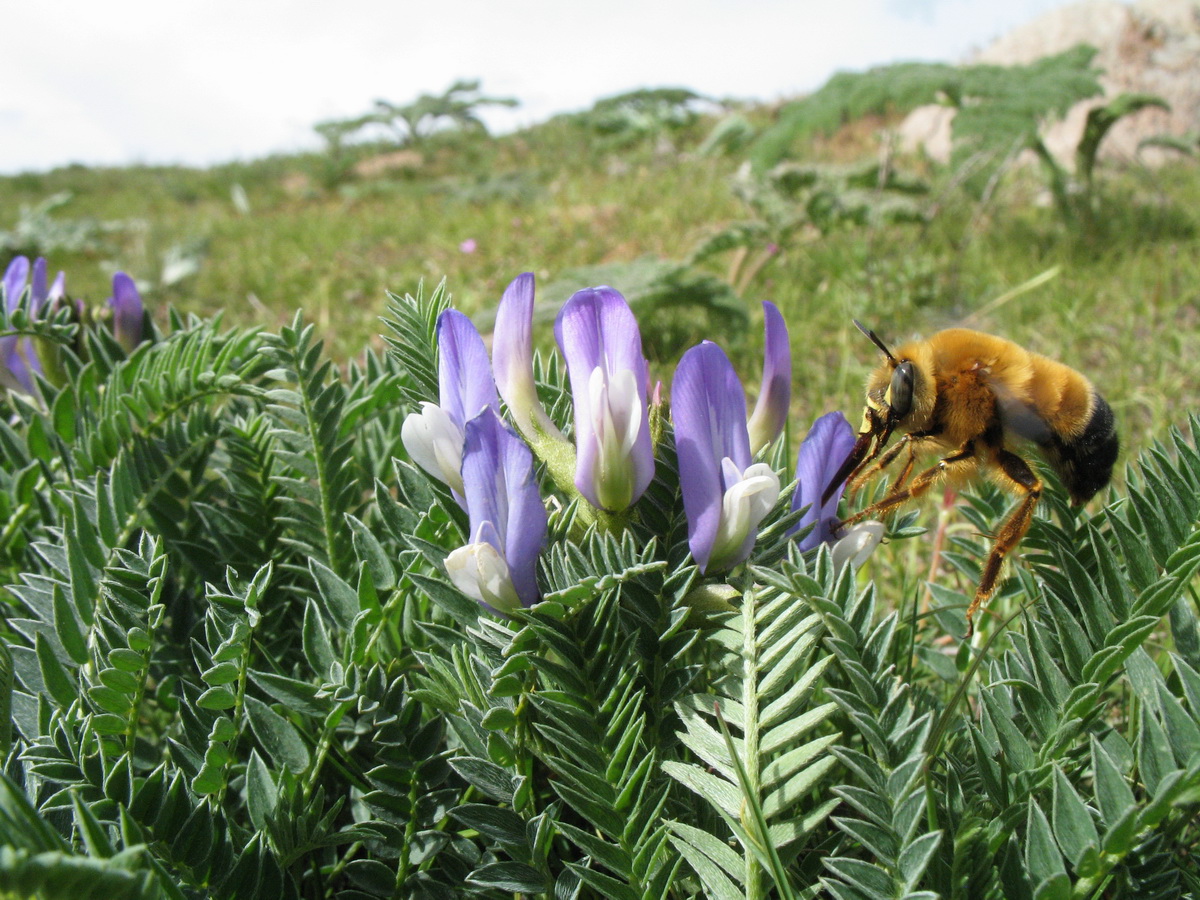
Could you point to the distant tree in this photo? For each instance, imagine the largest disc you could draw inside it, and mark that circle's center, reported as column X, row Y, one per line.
column 457, row 107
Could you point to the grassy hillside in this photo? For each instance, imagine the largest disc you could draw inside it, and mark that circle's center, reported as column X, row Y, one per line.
column 1119, row 302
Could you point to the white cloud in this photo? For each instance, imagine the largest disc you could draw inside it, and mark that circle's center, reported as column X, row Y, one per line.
column 200, row 81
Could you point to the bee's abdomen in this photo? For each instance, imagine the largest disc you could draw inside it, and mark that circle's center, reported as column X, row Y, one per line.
column 1085, row 462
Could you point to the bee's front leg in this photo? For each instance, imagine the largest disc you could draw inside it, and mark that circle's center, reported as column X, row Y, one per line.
column 962, row 458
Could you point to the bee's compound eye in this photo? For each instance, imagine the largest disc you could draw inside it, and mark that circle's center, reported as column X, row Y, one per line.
column 901, row 390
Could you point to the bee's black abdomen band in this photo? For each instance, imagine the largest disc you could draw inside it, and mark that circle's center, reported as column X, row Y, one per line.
column 1086, row 463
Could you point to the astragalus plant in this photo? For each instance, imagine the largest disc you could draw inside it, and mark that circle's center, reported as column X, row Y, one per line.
column 580, row 648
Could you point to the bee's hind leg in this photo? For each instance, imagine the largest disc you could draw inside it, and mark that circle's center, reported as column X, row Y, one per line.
column 1025, row 482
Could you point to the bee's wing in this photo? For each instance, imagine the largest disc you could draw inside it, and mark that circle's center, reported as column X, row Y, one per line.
column 1018, row 415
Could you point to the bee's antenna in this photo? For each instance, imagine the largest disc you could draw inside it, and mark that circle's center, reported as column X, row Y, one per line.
column 874, row 338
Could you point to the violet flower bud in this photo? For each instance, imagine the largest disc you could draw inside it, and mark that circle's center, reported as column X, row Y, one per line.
column 775, row 392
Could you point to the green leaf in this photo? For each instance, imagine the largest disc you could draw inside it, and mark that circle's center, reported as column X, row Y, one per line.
column 277, row 736
column 297, row 696
column 868, row 878
column 54, row 675
column 341, row 600
column 462, row 608
column 6, row 698
column 318, row 649
column 701, row 849
column 1116, row 801
column 484, row 774
column 609, row 855
column 122, row 682
column 262, row 795
column 511, row 877
column 1042, row 858
column 67, row 627
column 94, row 837
column 1155, row 760
column 720, row 793
column 368, row 550
column 127, row 660
column 915, row 858
column 493, row 822
column 217, row 698
column 1073, row 826
column 1013, row 744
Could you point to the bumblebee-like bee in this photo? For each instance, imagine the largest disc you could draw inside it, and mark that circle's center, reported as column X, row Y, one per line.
column 972, row 397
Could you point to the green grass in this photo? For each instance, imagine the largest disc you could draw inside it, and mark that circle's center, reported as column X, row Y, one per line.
column 1121, row 306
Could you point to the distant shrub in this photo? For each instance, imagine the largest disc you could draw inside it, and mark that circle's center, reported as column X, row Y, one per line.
column 646, row 113
column 38, row 233
column 797, row 201
column 1000, row 111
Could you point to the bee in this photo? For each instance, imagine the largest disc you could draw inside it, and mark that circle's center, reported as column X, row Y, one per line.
column 972, row 398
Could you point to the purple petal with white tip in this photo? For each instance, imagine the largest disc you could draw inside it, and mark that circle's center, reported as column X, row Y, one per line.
column 708, row 408
column 465, row 385
column 512, row 360
column 775, row 392
column 503, row 503
column 822, row 453
column 600, row 341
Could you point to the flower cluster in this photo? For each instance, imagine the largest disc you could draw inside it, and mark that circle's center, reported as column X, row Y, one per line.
column 20, row 359
column 463, row 442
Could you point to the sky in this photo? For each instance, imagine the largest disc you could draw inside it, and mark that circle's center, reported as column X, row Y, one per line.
column 208, row 81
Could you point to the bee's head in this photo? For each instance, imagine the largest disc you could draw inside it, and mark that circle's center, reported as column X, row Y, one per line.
column 889, row 400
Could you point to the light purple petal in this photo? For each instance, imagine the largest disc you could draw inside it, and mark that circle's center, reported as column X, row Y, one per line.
column 775, row 392
column 127, row 310
column 500, row 488
column 597, row 329
column 465, row 385
column 512, row 360
column 58, row 290
column 38, row 288
column 824, row 450
column 708, row 408
column 15, row 277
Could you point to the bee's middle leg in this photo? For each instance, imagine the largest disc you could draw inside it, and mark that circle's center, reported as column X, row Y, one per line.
column 959, row 459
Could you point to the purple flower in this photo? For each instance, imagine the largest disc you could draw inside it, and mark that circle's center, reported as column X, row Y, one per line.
column 600, row 341
column 724, row 496
column 17, row 354
column 470, row 245
column 507, row 519
column 434, row 437
column 127, row 312
column 512, row 360
column 826, row 447
column 775, row 392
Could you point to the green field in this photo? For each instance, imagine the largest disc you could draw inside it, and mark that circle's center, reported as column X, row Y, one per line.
column 1120, row 305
